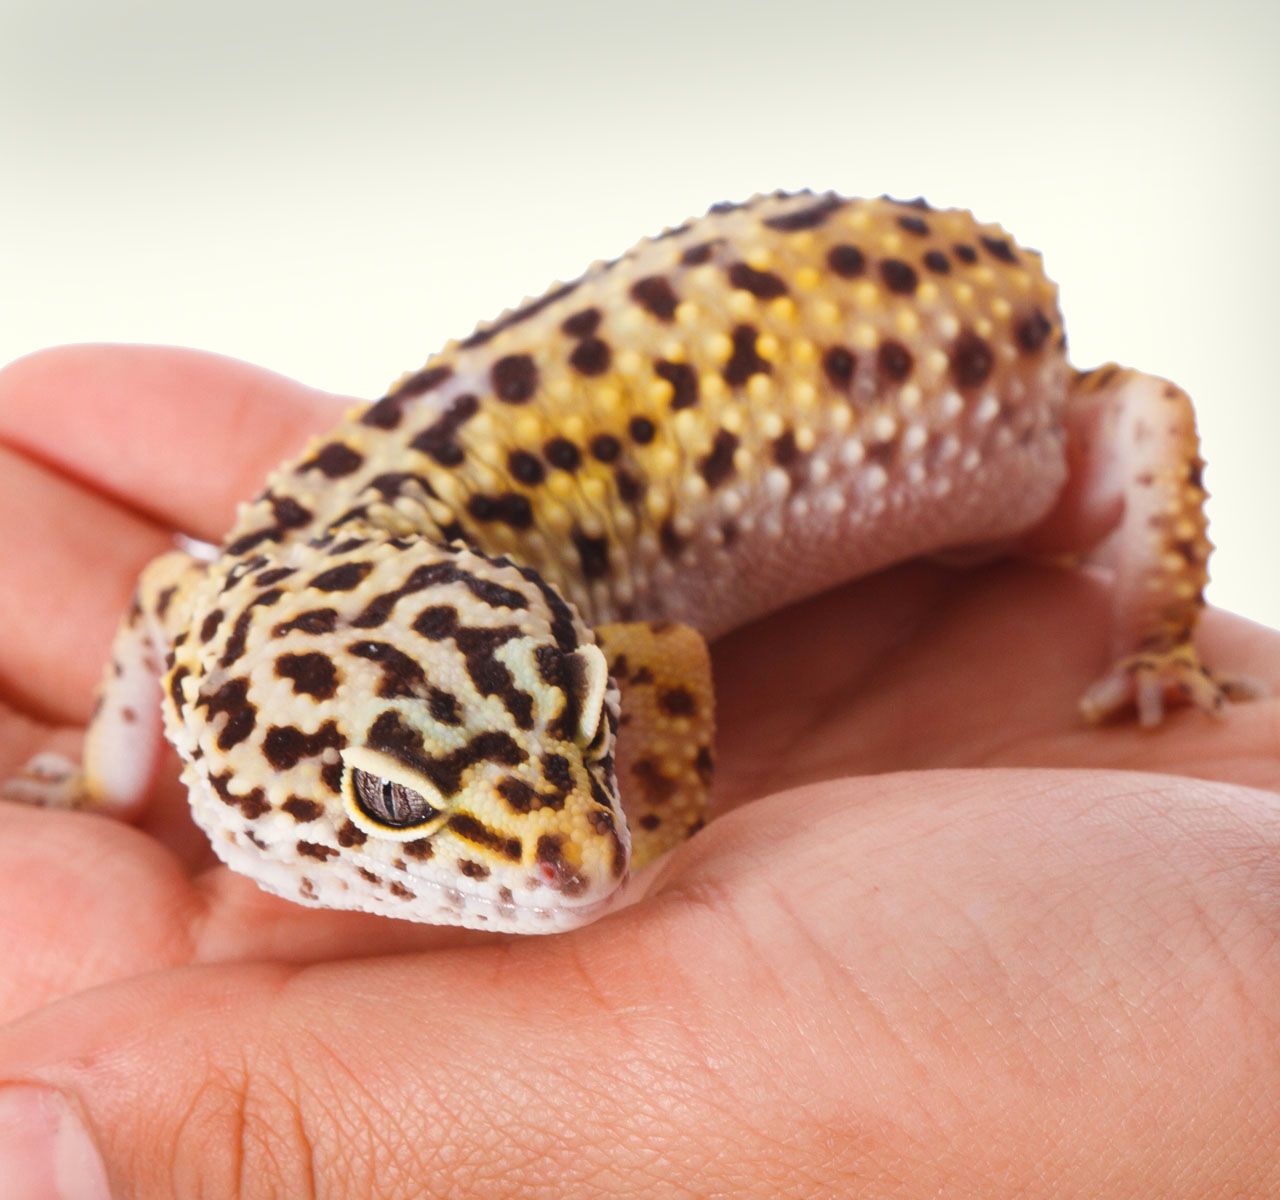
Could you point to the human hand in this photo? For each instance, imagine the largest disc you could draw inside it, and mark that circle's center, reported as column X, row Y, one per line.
column 1013, row 968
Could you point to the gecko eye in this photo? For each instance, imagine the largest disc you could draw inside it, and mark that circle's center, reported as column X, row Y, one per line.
column 389, row 803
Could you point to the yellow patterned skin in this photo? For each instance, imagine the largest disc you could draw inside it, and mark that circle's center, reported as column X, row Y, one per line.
column 397, row 686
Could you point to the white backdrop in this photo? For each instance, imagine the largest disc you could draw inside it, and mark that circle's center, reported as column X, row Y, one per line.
column 334, row 190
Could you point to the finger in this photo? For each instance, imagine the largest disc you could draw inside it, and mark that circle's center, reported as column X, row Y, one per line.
column 71, row 562
column 179, row 435
column 976, row 1009
column 85, row 900
column 925, row 666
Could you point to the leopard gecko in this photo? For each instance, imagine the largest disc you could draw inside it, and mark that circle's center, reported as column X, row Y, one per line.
column 450, row 665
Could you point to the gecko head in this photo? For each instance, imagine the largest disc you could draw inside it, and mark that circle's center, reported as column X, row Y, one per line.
column 414, row 730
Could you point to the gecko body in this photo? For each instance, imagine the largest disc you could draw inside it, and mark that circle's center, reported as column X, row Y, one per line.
column 450, row 665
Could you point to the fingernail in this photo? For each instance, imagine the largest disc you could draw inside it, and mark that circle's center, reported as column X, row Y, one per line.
column 45, row 1151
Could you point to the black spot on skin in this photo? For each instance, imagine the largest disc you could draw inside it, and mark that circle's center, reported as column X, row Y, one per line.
column 472, row 869
column 966, row 254
column 697, row 255
column 847, row 261
column 252, row 805
column 630, row 489
column 311, row 674
column 562, row 454
column 419, row 848
column 400, row 892
column 745, row 361
column 514, row 378
column 433, row 575
column 566, row 672
column 471, row 830
column 286, row 745
column 302, row 810
column 558, row 773
column 391, row 484
column 317, row 620
column 401, row 676
column 316, row 851
column 593, row 553
column 999, row 248
column 894, row 361
column 351, row 834
column 209, row 626
column 656, row 296
column 658, row 787
column 971, row 361
column 477, row 645
column 444, row 706
column 388, row 412
column 642, row 430
column 1032, row 332
column 422, row 382
column 275, row 575
column 683, row 380
column 385, row 414
column 232, row 699
column 437, row 440
column 175, row 688
column 521, row 797
column 346, row 546
column 591, row 357
column 914, row 225
column 678, row 702
column 562, row 626
column 605, row 447
column 342, row 578
column 510, row 508
column 764, row 285
column 806, row 218
column 238, row 639
column 899, row 277
column 785, row 450
column 704, row 764
column 525, row 468
column 839, row 365
column 937, row 262
column 582, row 324
column 163, row 600
column 334, row 460
column 718, row 466
column 524, row 313
column 672, row 543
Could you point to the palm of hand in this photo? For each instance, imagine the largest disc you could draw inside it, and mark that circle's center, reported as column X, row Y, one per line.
column 865, row 953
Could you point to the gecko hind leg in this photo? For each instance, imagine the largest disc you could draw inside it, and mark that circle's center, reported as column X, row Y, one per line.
column 1136, row 473
column 125, row 732
column 664, row 746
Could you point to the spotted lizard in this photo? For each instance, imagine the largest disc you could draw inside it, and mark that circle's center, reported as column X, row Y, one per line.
column 450, row 665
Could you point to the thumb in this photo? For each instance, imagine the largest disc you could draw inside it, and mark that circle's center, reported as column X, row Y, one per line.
column 384, row 1078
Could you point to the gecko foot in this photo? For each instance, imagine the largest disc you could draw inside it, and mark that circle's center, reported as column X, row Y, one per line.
column 47, row 781
column 1151, row 682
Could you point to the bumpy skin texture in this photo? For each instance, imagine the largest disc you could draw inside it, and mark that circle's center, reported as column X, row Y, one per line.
column 386, row 688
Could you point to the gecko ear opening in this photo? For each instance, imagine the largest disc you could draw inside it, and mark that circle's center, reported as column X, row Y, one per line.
column 384, row 798
column 594, row 669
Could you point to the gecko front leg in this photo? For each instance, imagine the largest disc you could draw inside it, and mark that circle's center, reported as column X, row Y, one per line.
column 125, row 732
column 1136, row 472
column 665, row 733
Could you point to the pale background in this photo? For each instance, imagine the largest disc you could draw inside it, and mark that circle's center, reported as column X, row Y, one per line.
column 334, row 190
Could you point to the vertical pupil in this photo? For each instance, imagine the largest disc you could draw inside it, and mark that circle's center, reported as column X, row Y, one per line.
column 391, row 803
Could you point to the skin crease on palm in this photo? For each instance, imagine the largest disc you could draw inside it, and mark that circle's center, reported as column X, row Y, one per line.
column 942, row 940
